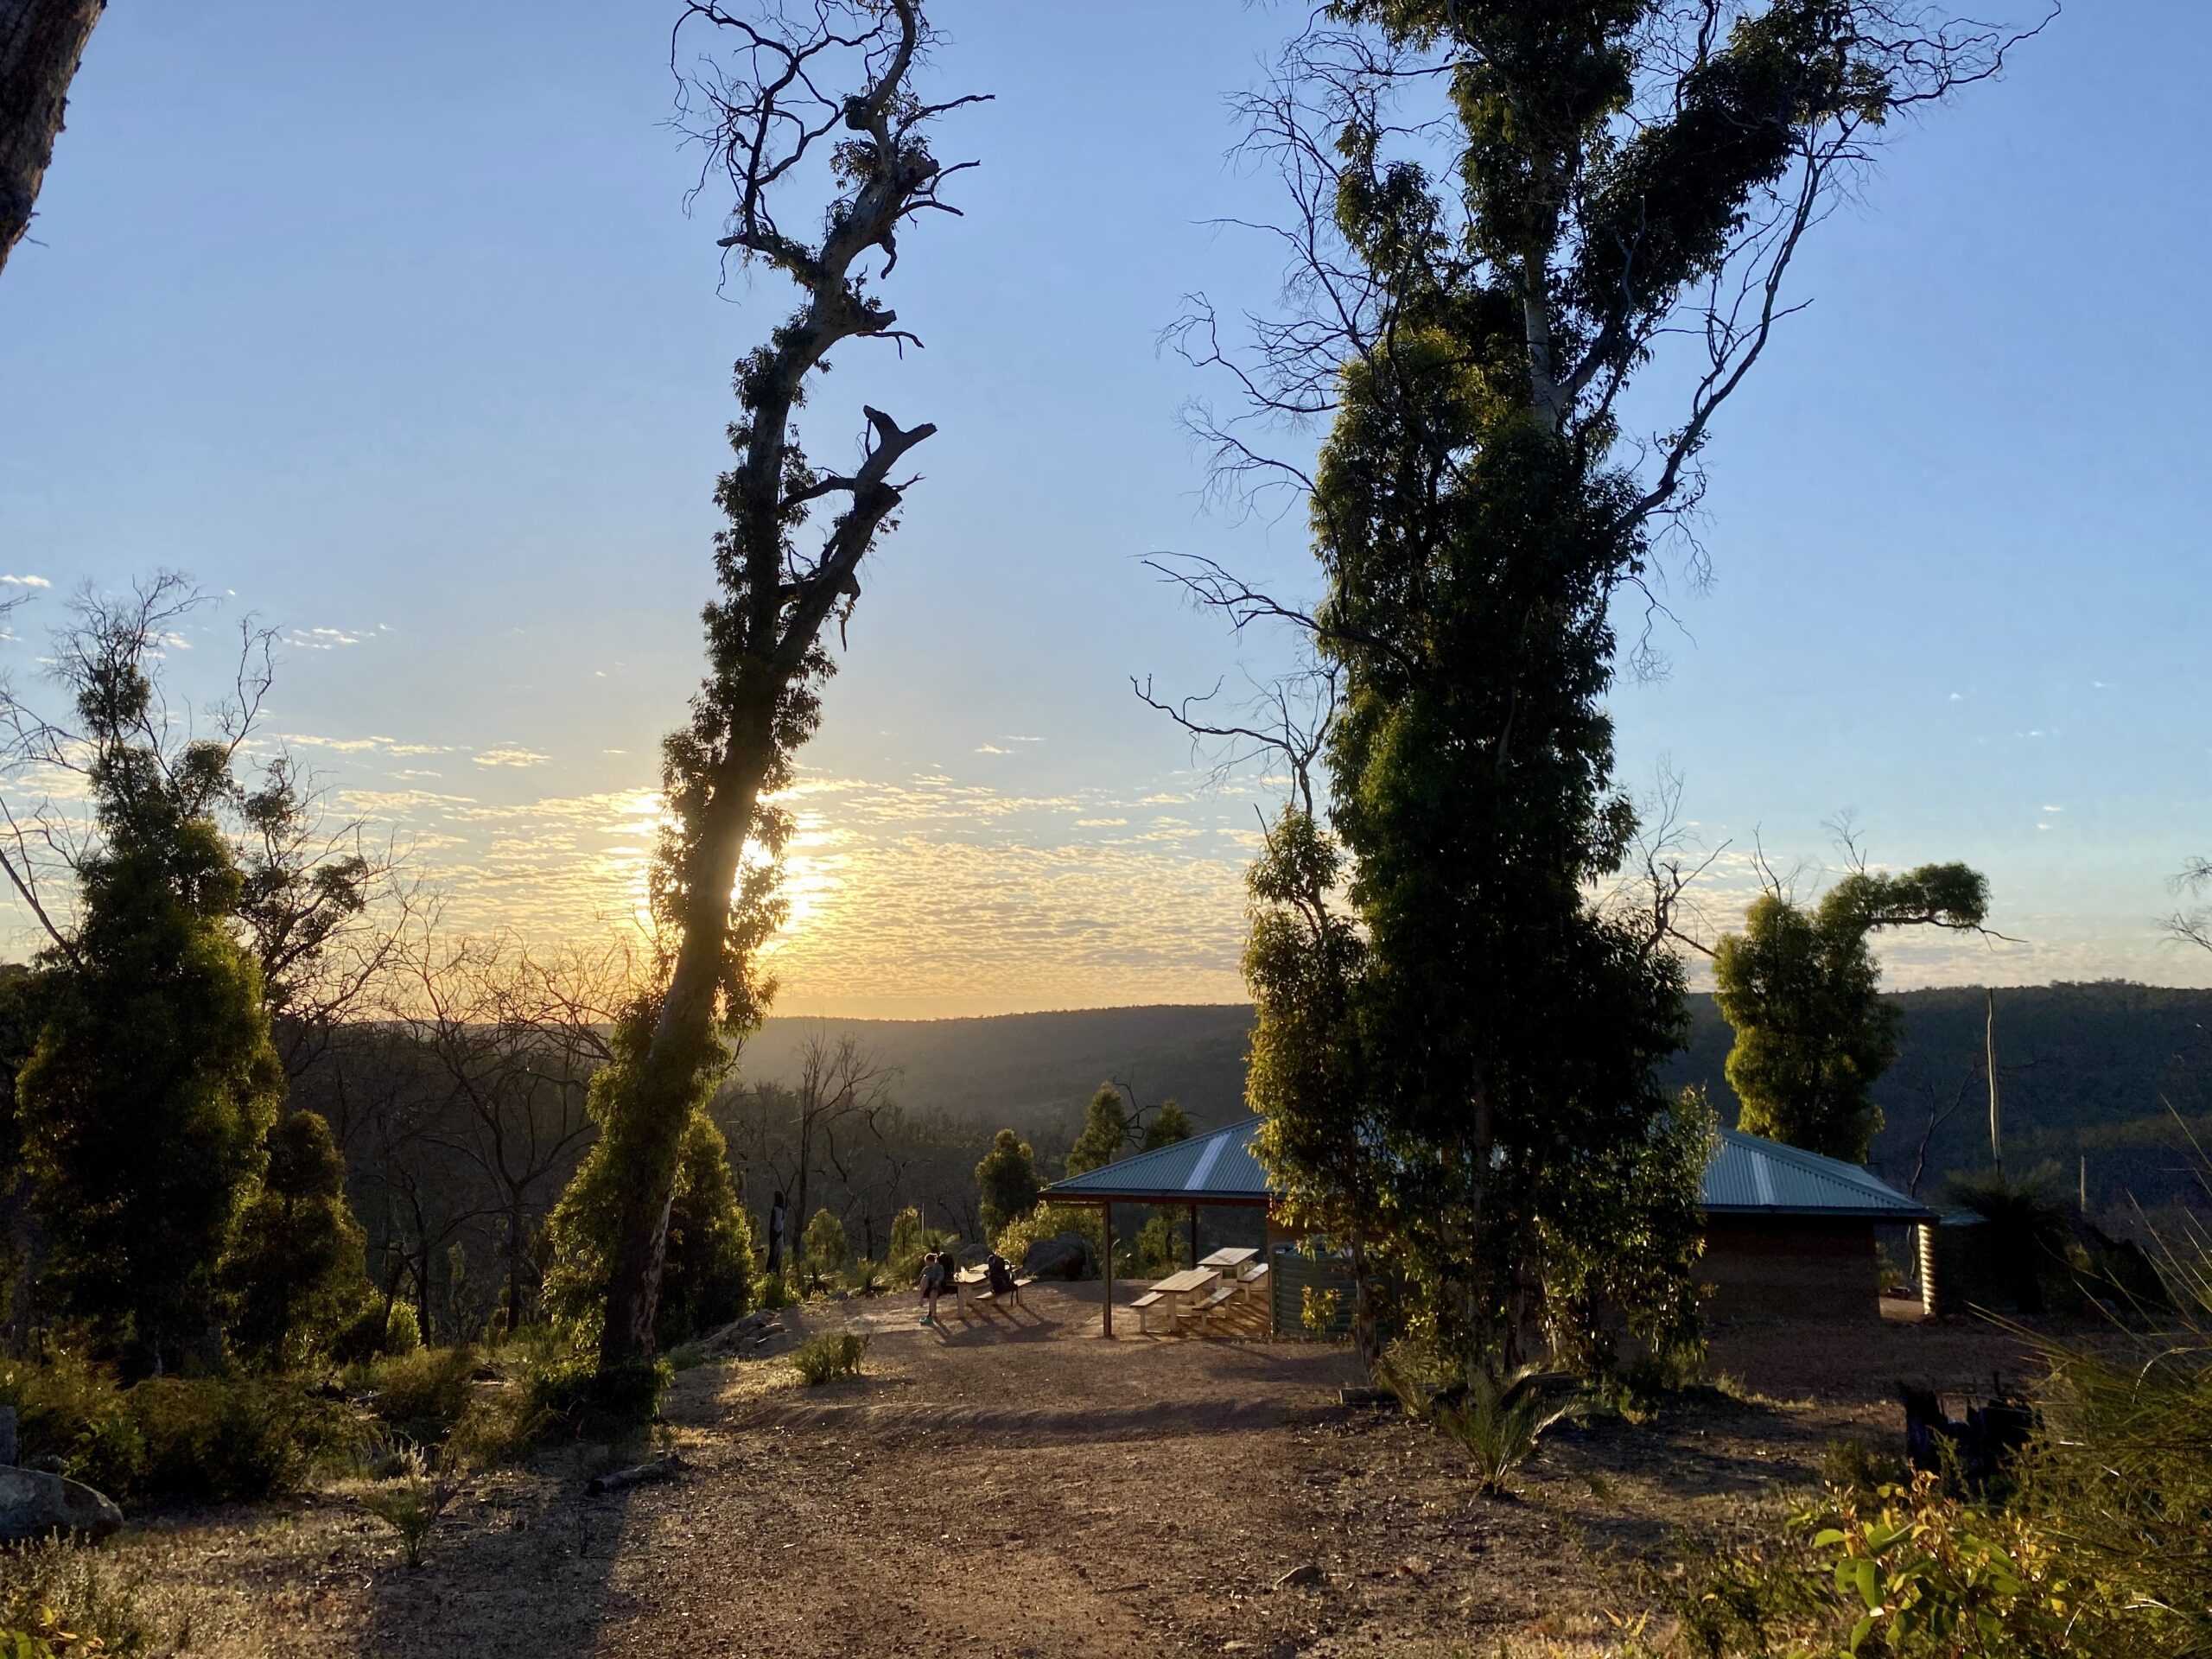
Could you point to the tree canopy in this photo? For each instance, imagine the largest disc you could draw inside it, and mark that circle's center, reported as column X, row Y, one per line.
column 1801, row 988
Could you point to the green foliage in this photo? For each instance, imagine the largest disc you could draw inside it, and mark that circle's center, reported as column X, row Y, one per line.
column 1106, row 1127
column 223, row 1439
column 62, row 1598
column 1050, row 1221
column 1499, row 1418
column 1162, row 1246
column 1006, row 1181
column 412, row 1503
column 579, row 1399
column 829, row 1357
column 706, row 1277
column 145, row 1099
column 1801, row 988
column 903, row 1260
column 2026, row 1230
column 867, row 1278
column 823, row 1247
column 423, row 1394
column 219, row 1440
column 295, row 1274
column 1170, row 1125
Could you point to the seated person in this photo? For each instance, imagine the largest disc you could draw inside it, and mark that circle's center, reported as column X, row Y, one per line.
column 999, row 1275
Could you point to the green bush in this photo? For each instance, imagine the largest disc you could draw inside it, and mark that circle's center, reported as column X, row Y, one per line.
column 204, row 1438
column 422, row 1395
column 772, row 1291
column 420, row 1488
column 58, row 1597
column 373, row 1334
column 577, row 1400
column 1045, row 1221
column 1500, row 1419
column 824, row 1248
column 57, row 1403
column 826, row 1359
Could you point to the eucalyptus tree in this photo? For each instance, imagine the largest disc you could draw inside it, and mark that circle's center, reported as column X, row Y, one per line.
column 1802, row 990
column 776, row 122
column 1503, row 211
column 41, row 43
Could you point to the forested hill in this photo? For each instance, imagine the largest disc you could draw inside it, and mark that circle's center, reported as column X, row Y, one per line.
column 2083, row 1069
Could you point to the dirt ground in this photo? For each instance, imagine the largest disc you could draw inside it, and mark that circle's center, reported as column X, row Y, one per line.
column 1018, row 1488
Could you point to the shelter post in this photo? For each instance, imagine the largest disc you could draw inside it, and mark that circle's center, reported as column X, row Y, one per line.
column 1107, row 1212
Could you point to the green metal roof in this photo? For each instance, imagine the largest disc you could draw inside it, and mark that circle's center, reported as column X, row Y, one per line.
column 1747, row 1176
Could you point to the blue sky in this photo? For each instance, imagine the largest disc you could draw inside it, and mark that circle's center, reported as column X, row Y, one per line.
column 389, row 321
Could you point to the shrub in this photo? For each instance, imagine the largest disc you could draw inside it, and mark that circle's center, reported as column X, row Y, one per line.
column 826, row 1359
column 421, row 1489
column 823, row 1247
column 58, row 1402
column 422, row 1395
column 373, row 1333
column 56, row 1597
column 866, row 1278
column 577, row 1400
column 772, row 1291
column 1852, row 1466
column 231, row 1441
column 1045, row 1221
column 1499, row 1418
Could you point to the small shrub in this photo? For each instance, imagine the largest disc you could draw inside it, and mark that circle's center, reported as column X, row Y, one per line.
column 771, row 1291
column 58, row 1402
column 229, row 1441
column 373, row 1334
column 827, row 1358
column 422, row 1487
column 1852, row 1466
column 1499, row 1420
column 866, row 1278
column 824, row 1248
column 422, row 1395
column 577, row 1400
column 58, row 1598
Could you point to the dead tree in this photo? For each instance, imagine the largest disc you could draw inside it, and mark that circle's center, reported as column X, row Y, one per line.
column 771, row 119
column 41, row 43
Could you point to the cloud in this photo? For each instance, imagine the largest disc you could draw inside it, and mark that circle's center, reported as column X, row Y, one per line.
column 1958, row 696
column 370, row 745
column 510, row 758
column 992, row 748
column 26, row 581
column 2052, row 809
column 324, row 638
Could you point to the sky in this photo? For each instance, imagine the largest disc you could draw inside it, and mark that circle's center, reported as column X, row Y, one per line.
column 389, row 327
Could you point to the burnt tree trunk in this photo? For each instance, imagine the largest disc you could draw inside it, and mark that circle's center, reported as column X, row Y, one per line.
column 41, row 43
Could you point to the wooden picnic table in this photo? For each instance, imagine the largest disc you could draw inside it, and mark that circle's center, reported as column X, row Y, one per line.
column 1228, row 1260
column 1189, row 1283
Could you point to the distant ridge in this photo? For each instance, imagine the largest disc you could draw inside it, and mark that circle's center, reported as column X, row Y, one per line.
column 2086, row 1066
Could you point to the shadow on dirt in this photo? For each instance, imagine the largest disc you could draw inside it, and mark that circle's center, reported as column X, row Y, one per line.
column 519, row 1570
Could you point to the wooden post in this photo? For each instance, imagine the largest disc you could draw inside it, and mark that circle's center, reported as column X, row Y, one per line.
column 1194, row 1235
column 1989, row 1064
column 1107, row 1211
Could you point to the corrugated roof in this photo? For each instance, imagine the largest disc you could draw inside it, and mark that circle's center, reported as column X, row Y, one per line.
column 1218, row 1165
column 1747, row 1176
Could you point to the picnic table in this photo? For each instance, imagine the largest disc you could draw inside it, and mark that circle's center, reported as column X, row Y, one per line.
column 1231, row 1260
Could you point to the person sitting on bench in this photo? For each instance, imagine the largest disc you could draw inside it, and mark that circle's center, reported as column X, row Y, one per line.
column 998, row 1273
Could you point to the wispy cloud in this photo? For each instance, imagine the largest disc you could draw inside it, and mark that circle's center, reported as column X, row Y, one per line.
column 26, row 581
column 324, row 638
column 510, row 758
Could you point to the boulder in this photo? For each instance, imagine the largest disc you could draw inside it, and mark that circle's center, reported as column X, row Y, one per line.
column 1061, row 1256
column 34, row 1505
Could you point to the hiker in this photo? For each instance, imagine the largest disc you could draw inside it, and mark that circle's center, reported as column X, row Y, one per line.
column 998, row 1273
column 776, row 1236
column 936, row 1277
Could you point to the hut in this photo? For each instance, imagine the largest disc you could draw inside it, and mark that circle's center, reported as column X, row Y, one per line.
column 1789, row 1234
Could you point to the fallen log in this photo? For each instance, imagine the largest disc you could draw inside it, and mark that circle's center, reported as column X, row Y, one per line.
column 640, row 1474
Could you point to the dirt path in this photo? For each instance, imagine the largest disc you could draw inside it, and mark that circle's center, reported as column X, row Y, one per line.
column 1020, row 1488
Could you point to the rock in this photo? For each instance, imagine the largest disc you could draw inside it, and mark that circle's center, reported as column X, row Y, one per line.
column 1415, row 1566
column 33, row 1503
column 1304, row 1572
column 47, row 1463
column 1061, row 1256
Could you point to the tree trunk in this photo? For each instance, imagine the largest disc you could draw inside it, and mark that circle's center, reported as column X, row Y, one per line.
column 683, row 1041
column 42, row 42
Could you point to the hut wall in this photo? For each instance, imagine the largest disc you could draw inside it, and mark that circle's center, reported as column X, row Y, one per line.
column 1795, row 1267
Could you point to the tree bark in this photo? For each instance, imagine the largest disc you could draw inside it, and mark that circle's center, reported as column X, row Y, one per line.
column 41, row 43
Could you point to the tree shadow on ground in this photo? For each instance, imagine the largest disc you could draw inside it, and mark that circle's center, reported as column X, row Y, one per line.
column 519, row 1568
